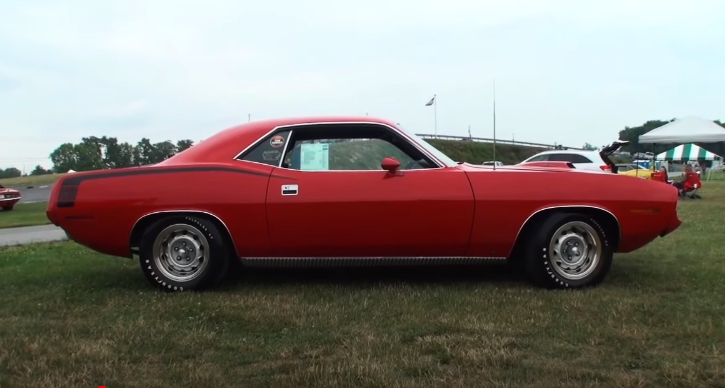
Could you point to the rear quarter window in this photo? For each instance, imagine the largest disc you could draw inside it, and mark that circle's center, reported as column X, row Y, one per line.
column 573, row 158
column 268, row 151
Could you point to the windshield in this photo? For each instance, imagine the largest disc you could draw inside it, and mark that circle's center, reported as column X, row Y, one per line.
column 440, row 155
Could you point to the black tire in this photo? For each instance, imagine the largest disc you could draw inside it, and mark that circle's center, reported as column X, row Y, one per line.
column 205, row 240
column 7, row 208
column 541, row 262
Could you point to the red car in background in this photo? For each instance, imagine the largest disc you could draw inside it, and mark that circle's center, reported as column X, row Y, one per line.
column 355, row 191
column 8, row 198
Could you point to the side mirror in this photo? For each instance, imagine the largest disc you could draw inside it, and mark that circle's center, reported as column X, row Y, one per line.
column 391, row 165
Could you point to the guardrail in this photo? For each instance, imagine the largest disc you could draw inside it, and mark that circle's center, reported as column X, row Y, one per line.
column 498, row 141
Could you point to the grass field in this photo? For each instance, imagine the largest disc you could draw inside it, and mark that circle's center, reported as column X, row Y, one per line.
column 24, row 214
column 73, row 318
column 25, row 181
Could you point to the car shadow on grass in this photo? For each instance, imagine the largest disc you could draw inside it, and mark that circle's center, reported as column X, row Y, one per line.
column 128, row 278
column 365, row 276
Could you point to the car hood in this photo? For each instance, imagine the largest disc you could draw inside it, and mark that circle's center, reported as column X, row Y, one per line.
column 9, row 191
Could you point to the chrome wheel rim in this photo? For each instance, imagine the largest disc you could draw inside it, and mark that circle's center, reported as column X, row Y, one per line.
column 574, row 250
column 181, row 252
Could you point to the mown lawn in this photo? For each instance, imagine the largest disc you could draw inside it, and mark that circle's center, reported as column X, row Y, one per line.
column 73, row 318
column 24, row 214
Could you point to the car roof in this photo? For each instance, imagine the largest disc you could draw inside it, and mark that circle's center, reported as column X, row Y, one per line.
column 226, row 144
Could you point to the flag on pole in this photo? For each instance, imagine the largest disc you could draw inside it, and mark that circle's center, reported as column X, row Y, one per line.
column 432, row 100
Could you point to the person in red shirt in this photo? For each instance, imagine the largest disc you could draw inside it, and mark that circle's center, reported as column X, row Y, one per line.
column 691, row 181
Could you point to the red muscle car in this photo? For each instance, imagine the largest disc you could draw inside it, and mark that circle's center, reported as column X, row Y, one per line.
column 354, row 191
column 8, row 198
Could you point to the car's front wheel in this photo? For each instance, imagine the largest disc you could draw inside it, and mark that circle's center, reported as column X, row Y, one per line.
column 568, row 251
column 181, row 253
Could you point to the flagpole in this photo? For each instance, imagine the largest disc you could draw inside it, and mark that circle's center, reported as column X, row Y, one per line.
column 435, row 115
column 494, row 124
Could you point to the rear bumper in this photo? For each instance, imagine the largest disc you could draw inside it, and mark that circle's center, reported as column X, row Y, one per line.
column 674, row 223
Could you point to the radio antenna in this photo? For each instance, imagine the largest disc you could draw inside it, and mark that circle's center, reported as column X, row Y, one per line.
column 494, row 124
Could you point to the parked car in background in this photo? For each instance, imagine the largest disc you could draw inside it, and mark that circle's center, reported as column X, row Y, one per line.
column 8, row 198
column 582, row 160
column 354, row 191
column 633, row 169
column 493, row 163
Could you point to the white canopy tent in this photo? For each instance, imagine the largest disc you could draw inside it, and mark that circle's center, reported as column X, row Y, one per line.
column 685, row 130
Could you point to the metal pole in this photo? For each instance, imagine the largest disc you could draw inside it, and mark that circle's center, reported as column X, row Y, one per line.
column 494, row 124
column 435, row 115
column 249, row 117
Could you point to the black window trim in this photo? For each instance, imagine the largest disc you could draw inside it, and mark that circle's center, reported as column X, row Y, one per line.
column 290, row 127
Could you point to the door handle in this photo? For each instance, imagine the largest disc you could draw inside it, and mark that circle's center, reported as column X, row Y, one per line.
column 289, row 189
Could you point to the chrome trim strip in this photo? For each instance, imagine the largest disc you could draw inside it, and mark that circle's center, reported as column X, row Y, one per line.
column 402, row 134
column 10, row 199
column 619, row 226
column 365, row 261
column 234, row 245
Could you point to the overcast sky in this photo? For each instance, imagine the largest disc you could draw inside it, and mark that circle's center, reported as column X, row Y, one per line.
column 566, row 72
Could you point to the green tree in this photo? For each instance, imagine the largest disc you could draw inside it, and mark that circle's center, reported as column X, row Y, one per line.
column 589, row 147
column 184, row 144
column 64, row 158
column 39, row 170
column 11, row 172
column 143, row 152
column 163, row 150
column 124, row 156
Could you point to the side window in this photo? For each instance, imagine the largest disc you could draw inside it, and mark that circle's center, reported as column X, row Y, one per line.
column 576, row 158
column 539, row 158
column 269, row 151
column 352, row 147
column 560, row 158
column 580, row 159
column 344, row 154
column 573, row 158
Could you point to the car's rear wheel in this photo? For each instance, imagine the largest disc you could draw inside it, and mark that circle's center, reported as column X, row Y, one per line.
column 7, row 208
column 568, row 251
column 181, row 253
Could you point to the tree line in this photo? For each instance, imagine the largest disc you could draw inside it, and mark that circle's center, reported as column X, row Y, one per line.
column 98, row 153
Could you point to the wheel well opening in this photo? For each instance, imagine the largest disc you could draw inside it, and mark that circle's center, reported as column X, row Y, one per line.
column 608, row 222
column 146, row 221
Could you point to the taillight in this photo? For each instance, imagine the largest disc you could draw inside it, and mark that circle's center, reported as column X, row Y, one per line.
column 605, row 168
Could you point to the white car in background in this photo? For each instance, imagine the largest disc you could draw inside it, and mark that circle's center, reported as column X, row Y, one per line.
column 492, row 163
column 582, row 160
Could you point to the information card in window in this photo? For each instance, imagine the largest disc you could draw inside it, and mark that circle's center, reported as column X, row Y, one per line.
column 315, row 157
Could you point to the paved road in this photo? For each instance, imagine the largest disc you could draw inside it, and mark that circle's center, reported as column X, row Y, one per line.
column 31, row 234
column 36, row 194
